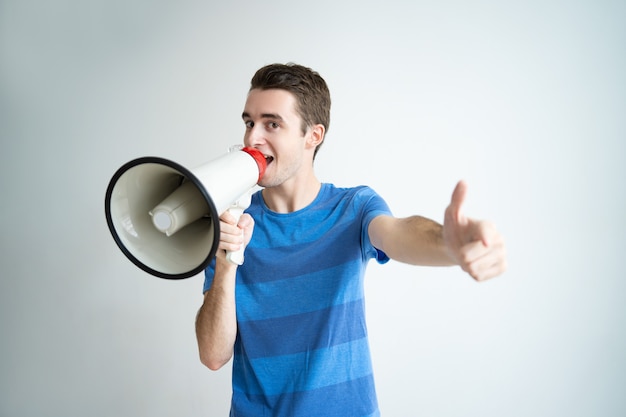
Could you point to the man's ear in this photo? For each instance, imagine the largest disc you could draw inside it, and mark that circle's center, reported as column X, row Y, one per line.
column 317, row 135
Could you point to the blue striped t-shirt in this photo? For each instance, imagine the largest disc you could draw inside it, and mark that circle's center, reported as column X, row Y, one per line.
column 301, row 347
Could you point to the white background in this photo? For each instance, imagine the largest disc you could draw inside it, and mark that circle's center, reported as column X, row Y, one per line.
column 525, row 100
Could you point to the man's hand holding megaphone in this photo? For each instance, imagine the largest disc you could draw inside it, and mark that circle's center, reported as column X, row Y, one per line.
column 235, row 234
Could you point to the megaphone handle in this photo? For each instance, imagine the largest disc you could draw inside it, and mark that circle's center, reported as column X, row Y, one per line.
column 236, row 210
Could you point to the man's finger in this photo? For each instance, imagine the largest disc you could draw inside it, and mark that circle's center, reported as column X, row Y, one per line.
column 458, row 198
column 245, row 220
column 472, row 251
column 488, row 267
column 485, row 232
column 227, row 217
column 481, row 262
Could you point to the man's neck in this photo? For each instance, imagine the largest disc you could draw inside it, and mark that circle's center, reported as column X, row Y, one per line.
column 292, row 196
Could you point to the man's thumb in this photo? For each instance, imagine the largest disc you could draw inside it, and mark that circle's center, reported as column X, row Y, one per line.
column 457, row 200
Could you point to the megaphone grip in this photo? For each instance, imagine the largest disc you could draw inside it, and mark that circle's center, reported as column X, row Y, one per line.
column 236, row 210
column 235, row 257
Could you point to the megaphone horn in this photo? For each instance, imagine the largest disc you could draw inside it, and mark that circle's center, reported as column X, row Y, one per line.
column 165, row 218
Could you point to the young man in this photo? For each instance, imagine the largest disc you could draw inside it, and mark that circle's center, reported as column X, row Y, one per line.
column 292, row 315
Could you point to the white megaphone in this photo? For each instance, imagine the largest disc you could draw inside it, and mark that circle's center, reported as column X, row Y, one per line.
column 165, row 218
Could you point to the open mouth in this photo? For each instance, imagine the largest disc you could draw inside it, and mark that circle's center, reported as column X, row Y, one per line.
column 268, row 159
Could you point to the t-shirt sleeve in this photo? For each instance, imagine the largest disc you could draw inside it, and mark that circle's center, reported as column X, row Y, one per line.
column 373, row 206
column 209, row 271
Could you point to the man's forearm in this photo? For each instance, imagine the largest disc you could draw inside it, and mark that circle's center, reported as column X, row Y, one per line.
column 216, row 322
column 414, row 240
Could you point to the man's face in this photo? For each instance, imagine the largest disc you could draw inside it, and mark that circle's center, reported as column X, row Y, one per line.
column 275, row 129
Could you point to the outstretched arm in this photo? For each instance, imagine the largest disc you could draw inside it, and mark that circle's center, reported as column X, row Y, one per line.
column 475, row 245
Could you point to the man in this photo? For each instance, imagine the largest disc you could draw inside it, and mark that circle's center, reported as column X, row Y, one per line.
column 292, row 316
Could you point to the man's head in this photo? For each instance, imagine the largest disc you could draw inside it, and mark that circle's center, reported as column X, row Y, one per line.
column 309, row 88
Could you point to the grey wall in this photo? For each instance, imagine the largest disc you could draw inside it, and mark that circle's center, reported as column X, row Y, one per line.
column 526, row 101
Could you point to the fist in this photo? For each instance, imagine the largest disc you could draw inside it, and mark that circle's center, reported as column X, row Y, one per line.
column 234, row 235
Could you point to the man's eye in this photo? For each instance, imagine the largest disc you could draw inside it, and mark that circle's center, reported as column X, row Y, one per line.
column 273, row 125
column 249, row 124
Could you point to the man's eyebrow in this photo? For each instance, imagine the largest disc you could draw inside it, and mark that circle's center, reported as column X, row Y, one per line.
column 273, row 116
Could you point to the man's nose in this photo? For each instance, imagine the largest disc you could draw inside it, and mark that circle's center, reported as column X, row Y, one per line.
column 254, row 137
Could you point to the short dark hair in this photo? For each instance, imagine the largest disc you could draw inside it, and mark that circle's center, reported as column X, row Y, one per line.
column 309, row 88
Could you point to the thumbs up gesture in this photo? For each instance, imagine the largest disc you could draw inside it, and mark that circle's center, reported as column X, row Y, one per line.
column 476, row 245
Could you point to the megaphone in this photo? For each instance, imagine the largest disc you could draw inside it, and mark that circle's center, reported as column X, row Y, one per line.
column 165, row 218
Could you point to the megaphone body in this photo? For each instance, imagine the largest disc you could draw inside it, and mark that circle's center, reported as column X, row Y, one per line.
column 165, row 218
